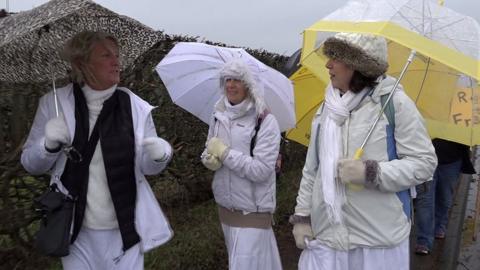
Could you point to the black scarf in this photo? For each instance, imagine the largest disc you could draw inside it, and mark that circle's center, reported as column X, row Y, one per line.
column 114, row 129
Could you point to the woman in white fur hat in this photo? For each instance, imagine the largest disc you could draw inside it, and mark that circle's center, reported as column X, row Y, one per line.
column 244, row 181
column 355, row 213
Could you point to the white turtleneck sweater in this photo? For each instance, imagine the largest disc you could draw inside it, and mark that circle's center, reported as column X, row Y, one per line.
column 99, row 211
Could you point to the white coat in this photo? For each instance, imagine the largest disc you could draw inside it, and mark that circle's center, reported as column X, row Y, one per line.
column 372, row 217
column 247, row 183
column 243, row 182
column 151, row 224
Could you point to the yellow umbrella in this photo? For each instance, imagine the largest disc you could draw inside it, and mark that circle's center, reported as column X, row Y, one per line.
column 310, row 91
column 447, row 62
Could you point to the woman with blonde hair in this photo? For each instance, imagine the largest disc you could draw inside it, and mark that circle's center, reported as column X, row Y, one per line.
column 116, row 215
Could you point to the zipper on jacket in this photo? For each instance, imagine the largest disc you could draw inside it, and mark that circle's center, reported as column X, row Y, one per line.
column 228, row 171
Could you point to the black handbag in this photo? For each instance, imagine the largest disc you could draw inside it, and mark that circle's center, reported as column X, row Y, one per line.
column 56, row 209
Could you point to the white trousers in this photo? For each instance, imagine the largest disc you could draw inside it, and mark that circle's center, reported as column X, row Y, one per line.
column 101, row 249
column 320, row 257
column 251, row 249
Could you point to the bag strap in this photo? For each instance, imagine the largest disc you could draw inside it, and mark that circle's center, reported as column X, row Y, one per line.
column 404, row 196
column 257, row 128
column 389, row 109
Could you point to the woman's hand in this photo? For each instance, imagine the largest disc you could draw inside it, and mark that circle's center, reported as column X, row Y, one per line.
column 351, row 171
column 211, row 162
column 56, row 134
column 157, row 148
column 302, row 230
column 358, row 172
column 216, row 147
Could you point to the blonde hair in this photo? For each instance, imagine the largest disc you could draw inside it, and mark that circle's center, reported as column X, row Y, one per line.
column 77, row 51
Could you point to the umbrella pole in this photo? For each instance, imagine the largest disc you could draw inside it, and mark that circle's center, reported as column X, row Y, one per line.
column 55, row 98
column 359, row 151
column 69, row 150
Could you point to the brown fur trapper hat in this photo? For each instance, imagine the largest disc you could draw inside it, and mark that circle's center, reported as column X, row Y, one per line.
column 364, row 53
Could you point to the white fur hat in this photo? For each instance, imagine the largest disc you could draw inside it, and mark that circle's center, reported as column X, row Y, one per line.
column 237, row 69
column 365, row 53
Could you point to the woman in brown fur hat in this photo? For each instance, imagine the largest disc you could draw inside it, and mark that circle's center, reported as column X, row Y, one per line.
column 355, row 213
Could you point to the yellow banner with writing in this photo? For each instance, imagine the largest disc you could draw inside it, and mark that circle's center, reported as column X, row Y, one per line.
column 464, row 108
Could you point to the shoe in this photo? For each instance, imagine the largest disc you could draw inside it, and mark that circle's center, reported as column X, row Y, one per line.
column 440, row 235
column 422, row 250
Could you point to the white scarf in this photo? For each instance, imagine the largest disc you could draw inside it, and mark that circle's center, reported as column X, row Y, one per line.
column 337, row 109
column 237, row 110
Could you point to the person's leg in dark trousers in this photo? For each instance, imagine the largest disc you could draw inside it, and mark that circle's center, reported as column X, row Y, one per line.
column 448, row 175
column 424, row 216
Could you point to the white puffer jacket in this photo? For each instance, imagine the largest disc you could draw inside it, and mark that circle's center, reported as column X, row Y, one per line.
column 245, row 182
column 151, row 223
column 372, row 217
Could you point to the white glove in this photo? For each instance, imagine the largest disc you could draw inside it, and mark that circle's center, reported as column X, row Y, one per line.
column 56, row 134
column 358, row 172
column 157, row 148
column 216, row 147
column 300, row 232
column 351, row 171
column 211, row 162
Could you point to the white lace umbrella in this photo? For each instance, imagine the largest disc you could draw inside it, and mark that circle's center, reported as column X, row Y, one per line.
column 190, row 72
column 30, row 41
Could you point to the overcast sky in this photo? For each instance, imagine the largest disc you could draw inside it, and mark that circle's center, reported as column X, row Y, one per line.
column 274, row 25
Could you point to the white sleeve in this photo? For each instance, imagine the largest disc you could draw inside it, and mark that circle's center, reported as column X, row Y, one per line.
column 35, row 158
column 211, row 128
column 304, row 197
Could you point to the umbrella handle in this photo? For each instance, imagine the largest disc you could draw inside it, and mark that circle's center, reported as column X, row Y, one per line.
column 358, row 155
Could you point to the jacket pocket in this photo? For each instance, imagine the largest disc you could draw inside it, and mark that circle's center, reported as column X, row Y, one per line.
column 265, row 196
